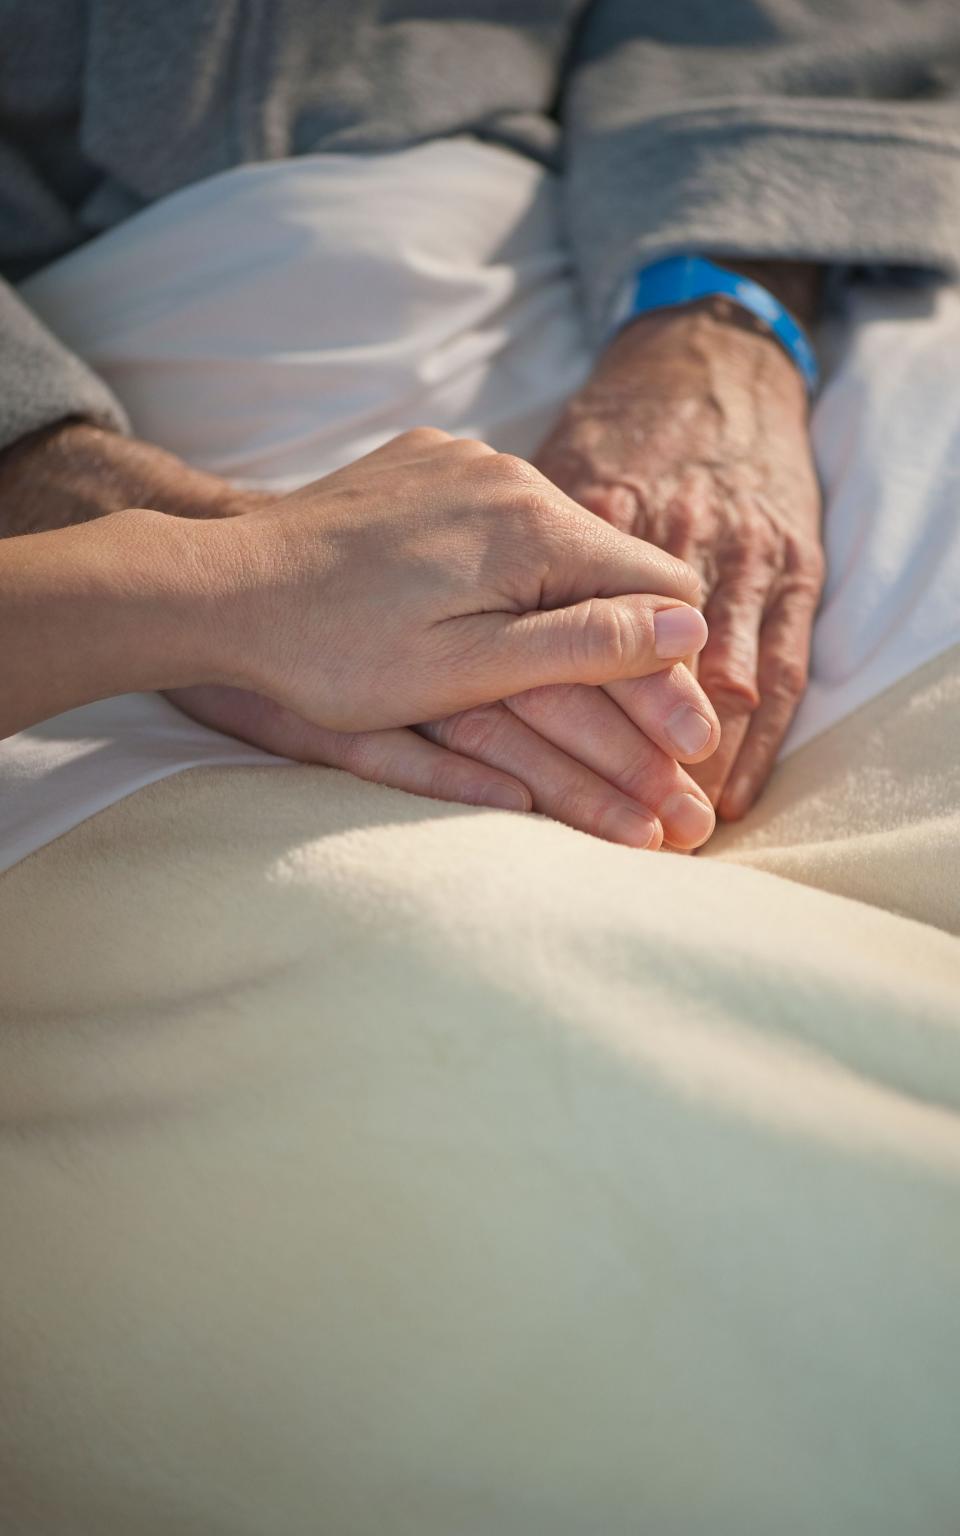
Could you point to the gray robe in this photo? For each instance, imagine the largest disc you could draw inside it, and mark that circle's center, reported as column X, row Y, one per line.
column 822, row 129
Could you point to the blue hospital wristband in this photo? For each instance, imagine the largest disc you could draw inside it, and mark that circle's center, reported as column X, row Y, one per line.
column 682, row 279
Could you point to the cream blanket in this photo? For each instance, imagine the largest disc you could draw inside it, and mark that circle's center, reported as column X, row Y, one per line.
column 374, row 1167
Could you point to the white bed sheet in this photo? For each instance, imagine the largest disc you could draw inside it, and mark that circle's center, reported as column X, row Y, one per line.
column 278, row 320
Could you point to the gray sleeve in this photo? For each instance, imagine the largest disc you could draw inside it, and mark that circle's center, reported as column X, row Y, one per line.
column 40, row 381
column 42, row 175
column 797, row 129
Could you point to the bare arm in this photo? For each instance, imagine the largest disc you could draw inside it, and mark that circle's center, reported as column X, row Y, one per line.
column 588, row 765
column 430, row 576
column 119, row 605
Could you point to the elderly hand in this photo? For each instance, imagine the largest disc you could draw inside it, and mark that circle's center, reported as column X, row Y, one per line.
column 603, row 760
column 692, row 433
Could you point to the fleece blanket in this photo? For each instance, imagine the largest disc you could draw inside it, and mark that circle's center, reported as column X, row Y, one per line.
column 375, row 1167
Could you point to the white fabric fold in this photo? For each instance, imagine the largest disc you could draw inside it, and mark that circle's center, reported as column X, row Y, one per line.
column 279, row 320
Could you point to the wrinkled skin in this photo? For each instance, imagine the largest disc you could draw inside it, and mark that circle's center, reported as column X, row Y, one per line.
column 692, row 433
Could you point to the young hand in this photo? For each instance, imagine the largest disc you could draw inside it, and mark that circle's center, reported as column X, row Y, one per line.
column 432, row 576
column 603, row 761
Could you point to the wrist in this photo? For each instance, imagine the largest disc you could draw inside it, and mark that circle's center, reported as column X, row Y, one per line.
column 126, row 604
column 249, row 580
column 163, row 593
column 684, row 282
column 219, row 597
column 679, row 350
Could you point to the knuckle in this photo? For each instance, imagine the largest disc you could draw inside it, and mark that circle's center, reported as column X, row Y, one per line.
column 513, row 464
column 599, row 638
column 749, row 575
column 516, row 472
column 808, row 567
column 729, row 695
column 473, row 447
column 785, row 676
column 754, row 553
column 423, row 437
column 738, row 600
column 359, row 755
column 548, row 702
column 635, row 780
column 474, row 732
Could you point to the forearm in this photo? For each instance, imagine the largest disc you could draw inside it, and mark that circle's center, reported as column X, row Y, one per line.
column 74, row 472
column 125, row 604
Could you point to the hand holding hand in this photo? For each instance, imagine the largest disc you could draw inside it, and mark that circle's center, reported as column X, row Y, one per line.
column 599, row 760
column 602, row 761
column 434, row 575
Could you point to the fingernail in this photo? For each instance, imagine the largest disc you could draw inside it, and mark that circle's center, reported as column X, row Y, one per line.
column 622, row 825
column 678, row 632
column 688, row 729
column 502, row 797
column 687, row 820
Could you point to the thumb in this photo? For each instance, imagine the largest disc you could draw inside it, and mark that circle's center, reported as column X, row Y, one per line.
column 595, row 641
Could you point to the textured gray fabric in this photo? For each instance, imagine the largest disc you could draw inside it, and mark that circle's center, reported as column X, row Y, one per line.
column 824, row 129
column 818, row 129
column 42, row 381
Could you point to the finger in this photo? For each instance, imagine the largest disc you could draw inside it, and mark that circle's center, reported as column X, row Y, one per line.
column 562, row 787
column 405, row 760
column 727, row 668
column 399, row 758
column 588, row 726
column 783, row 670
column 734, row 613
column 689, row 513
column 492, row 655
column 672, row 710
column 712, row 774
